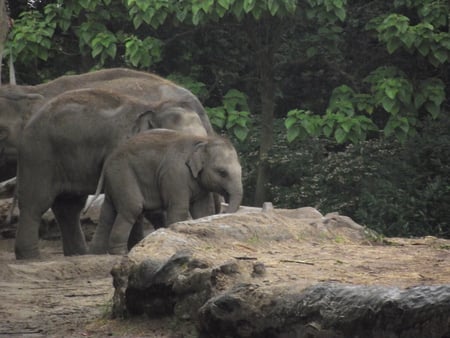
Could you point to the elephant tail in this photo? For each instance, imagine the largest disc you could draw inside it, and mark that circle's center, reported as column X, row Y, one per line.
column 97, row 193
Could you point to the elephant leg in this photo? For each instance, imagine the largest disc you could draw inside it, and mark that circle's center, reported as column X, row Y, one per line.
column 178, row 211
column 99, row 243
column 120, row 233
column 204, row 206
column 67, row 209
column 27, row 234
column 137, row 233
column 157, row 218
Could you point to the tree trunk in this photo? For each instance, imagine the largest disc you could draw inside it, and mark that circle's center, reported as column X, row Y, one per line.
column 4, row 26
column 265, row 39
column 267, row 95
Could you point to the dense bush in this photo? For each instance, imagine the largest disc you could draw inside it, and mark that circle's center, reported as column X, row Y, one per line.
column 396, row 189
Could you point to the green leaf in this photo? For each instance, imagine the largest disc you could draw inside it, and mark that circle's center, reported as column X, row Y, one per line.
column 290, row 121
column 311, row 51
column 309, row 125
column 391, row 92
column 340, row 13
column 424, row 48
column 238, row 9
column 225, row 3
column 249, row 5
column 240, row 132
column 340, row 135
column 347, row 126
column 392, row 45
column 327, row 130
column 419, row 100
column 441, row 55
column 197, row 17
column 389, row 105
column 293, row 133
column 273, row 6
column 433, row 109
column 390, row 127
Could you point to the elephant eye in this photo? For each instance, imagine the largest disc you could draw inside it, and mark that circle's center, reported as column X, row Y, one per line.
column 222, row 172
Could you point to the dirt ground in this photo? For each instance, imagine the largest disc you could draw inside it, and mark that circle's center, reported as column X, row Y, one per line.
column 59, row 296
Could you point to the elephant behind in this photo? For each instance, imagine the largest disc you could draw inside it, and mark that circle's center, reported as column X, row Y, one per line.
column 163, row 170
column 19, row 103
column 62, row 150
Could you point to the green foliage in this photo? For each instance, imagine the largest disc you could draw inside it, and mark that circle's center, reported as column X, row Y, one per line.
column 430, row 37
column 301, row 123
column 31, row 37
column 233, row 115
column 339, row 121
column 398, row 189
column 104, row 45
column 390, row 91
column 199, row 12
column 142, row 53
column 198, row 88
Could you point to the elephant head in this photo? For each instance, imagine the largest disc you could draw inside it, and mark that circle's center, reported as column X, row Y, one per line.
column 215, row 165
column 16, row 107
column 174, row 118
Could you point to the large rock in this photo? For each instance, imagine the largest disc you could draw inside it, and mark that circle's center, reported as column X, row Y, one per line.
column 328, row 310
column 287, row 273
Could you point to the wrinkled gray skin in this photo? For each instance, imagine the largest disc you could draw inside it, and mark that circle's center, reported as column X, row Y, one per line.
column 61, row 155
column 163, row 170
column 19, row 103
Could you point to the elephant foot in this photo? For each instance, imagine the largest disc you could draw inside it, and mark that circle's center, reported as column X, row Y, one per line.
column 97, row 251
column 118, row 249
column 22, row 253
column 75, row 250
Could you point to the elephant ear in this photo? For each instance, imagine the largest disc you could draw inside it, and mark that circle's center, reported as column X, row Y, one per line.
column 144, row 122
column 196, row 160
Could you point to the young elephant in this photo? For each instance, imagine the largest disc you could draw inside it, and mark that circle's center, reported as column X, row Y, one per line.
column 163, row 170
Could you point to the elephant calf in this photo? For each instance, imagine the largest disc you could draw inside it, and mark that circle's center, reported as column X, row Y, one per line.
column 163, row 170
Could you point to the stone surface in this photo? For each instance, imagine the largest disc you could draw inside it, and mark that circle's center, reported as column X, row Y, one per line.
column 328, row 310
column 287, row 273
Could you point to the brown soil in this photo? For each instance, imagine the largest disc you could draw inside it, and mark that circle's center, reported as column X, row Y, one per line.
column 59, row 296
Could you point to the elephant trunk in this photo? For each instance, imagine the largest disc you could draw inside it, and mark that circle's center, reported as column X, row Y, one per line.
column 234, row 201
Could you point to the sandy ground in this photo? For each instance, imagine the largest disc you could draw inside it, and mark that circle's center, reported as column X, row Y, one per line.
column 59, row 296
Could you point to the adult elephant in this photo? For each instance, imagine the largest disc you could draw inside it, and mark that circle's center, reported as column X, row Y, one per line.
column 19, row 103
column 163, row 170
column 61, row 153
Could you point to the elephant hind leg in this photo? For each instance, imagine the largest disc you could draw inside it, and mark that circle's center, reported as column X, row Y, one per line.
column 122, row 235
column 99, row 243
column 67, row 209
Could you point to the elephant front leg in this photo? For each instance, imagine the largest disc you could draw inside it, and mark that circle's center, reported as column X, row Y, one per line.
column 67, row 211
column 31, row 206
column 177, row 212
column 27, row 235
column 203, row 206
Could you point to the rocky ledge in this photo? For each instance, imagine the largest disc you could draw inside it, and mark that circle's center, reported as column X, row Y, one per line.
column 287, row 273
